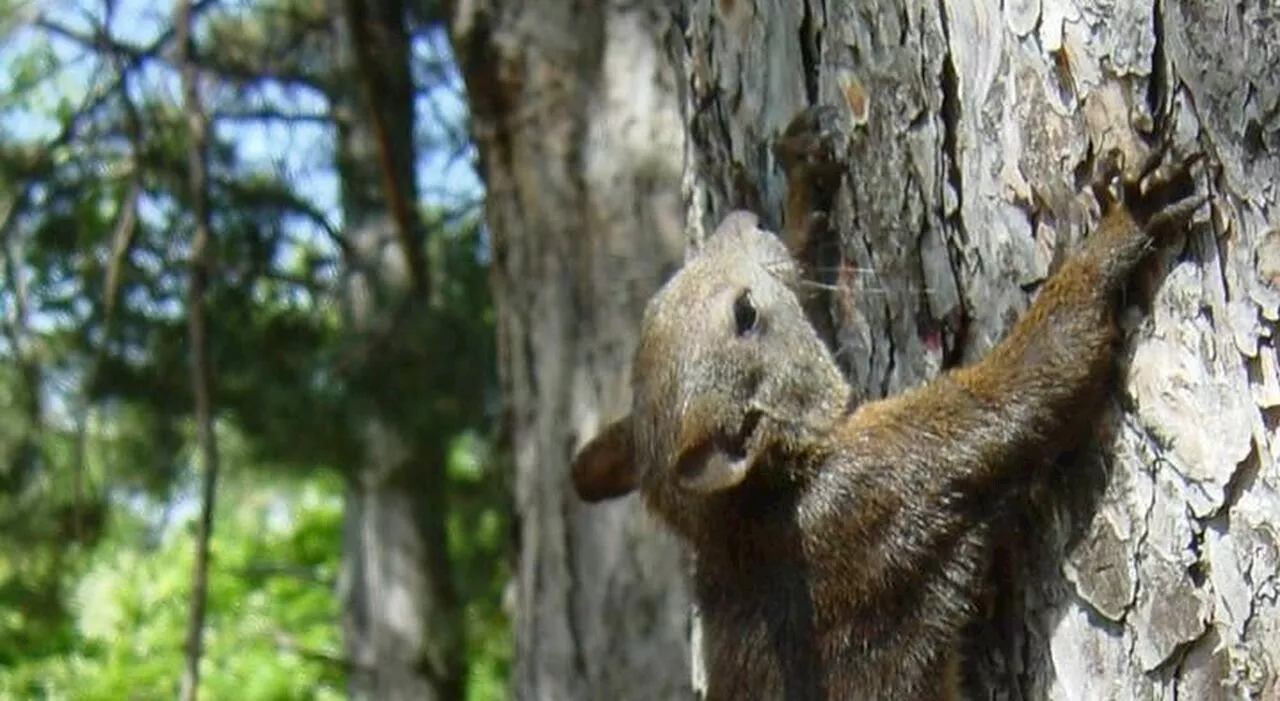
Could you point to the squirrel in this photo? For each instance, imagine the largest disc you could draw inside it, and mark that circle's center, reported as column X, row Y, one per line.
column 839, row 548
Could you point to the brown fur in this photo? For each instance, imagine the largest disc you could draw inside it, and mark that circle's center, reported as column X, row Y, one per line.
column 838, row 554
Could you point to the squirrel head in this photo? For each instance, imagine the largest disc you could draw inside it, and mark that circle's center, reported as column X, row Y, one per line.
column 728, row 372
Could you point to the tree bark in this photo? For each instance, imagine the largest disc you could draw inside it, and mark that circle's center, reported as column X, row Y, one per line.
column 402, row 621
column 576, row 116
column 1156, row 578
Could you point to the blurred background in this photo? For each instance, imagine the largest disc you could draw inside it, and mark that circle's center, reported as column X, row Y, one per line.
column 110, row 177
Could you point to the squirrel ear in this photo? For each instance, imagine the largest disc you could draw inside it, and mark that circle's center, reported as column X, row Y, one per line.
column 605, row 468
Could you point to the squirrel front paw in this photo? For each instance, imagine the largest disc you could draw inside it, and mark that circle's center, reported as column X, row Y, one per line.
column 813, row 144
column 1142, row 208
column 1159, row 194
column 812, row 151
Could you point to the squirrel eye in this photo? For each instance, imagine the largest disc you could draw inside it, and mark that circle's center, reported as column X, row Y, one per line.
column 745, row 314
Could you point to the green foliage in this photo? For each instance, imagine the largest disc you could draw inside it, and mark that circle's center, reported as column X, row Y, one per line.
column 478, row 543
column 272, row 632
column 271, row 635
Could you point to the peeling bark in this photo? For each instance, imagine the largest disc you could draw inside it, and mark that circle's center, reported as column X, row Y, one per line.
column 1156, row 578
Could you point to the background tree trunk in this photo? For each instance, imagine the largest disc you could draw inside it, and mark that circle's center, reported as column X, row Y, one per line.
column 968, row 123
column 402, row 622
column 576, row 115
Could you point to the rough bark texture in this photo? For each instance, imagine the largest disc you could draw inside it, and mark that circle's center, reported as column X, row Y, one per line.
column 1157, row 577
column 402, row 624
column 576, row 114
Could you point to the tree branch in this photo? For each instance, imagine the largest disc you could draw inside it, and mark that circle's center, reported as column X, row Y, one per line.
column 376, row 83
column 289, row 200
column 201, row 375
column 268, row 114
column 103, row 42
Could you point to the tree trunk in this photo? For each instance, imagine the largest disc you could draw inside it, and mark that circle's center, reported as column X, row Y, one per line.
column 1157, row 578
column 576, row 116
column 402, row 622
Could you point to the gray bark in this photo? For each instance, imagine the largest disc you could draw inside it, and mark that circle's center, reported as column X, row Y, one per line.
column 576, row 116
column 1157, row 577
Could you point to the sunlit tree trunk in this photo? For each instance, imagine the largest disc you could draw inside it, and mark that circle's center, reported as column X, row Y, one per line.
column 576, row 117
column 1158, row 577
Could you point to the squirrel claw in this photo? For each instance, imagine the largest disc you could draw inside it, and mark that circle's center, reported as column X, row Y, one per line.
column 1164, row 192
column 1106, row 180
column 1176, row 213
column 1157, row 176
column 1155, row 157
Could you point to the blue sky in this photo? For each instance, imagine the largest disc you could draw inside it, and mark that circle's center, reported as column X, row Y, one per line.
column 302, row 150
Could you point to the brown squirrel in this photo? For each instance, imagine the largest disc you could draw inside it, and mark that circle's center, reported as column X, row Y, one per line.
column 839, row 551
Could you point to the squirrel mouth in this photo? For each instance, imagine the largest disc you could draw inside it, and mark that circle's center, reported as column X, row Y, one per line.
column 721, row 461
column 737, row 448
